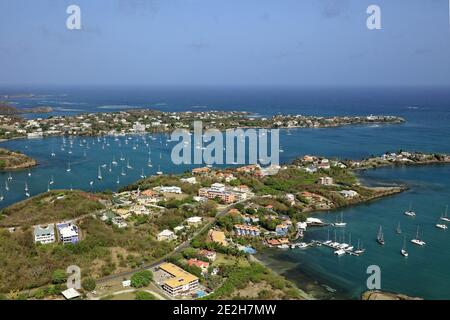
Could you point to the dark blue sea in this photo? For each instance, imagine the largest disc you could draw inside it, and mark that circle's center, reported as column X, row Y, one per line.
column 427, row 111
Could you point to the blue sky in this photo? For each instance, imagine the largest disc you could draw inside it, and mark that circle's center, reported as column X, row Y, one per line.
column 225, row 42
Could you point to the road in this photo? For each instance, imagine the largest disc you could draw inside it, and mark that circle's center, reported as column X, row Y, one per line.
column 178, row 249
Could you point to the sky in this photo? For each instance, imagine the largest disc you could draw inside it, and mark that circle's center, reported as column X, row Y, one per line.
column 225, row 42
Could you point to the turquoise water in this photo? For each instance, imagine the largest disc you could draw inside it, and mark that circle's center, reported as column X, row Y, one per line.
column 424, row 273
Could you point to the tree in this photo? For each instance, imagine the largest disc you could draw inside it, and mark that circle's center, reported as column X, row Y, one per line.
column 59, row 276
column 141, row 279
column 88, row 284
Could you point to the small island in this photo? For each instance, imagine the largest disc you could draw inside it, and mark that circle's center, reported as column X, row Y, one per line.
column 10, row 160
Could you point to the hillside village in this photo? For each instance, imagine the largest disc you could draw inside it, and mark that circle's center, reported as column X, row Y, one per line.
column 193, row 225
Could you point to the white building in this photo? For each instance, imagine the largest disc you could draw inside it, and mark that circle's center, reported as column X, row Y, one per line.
column 44, row 234
column 349, row 193
column 171, row 189
column 190, row 180
column 166, row 235
column 194, row 221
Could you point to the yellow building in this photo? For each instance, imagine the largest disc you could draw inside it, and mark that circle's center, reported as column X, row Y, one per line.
column 182, row 282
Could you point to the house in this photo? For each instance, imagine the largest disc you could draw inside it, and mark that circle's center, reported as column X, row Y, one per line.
column 308, row 158
column 178, row 229
column 326, row 181
column 348, row 193
column 282, row 230
column 244, row 230
column 44, row 234
column 191, row 180
column 180, row 282
column 70, row 294
column 198, row 263
column 170, row 189
column 199, row 171
column 166, row 235
column 210, row 255
column 217, row 190
column 68, row 232
column 194, row 221
column 311, row 169
column 217, row 237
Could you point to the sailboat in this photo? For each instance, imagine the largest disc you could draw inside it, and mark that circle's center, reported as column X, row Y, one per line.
column 110, row 167
column 1, row 196
column 6, row 185
column 128, row 165
column 68, row 167
column 342, row 223
column 122, row 157
column 123, row 172
column 398, row 230
column 410, row 212
column 143, row 176
column 159, row 172
column 441, row 226
column 52, row 181
column 48, row 186
column 417, row 239
column 403, row 251
column 359, row 248
column 380, row 237
column 99, row 176
column 27, row 194
column 444, row 217
column 114, row 162
column 149, row 162
column 10, row 177
column 29, row 173
column 53, row 154
column 118, row 180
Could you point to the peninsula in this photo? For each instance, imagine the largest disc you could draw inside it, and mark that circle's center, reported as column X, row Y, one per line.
column 138, row 121
column 10, row 160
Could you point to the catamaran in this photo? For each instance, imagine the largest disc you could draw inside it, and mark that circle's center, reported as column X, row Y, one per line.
column 444, row 217
column 417, row 240
column 342, row 223
column 380, row 237
column 403, row 251
column 441, row 226
column 99, row 176
column 410, row 212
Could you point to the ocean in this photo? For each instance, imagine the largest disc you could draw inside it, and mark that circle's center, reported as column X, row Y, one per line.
column 427, row 111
